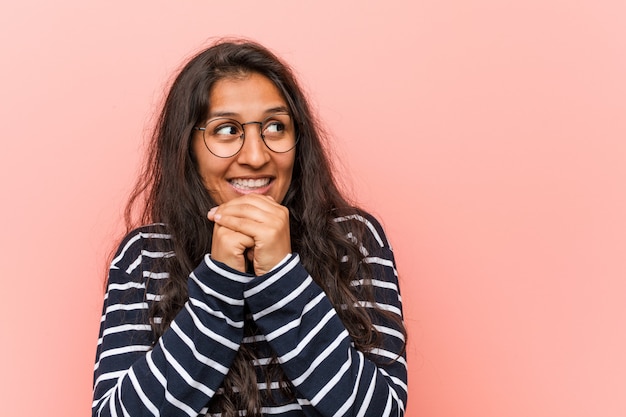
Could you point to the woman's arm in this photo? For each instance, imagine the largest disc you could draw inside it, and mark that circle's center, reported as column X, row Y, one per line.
column 181, row 372
column 314, row 347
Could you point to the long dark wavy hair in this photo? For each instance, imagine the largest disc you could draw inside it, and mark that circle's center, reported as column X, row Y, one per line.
column 170, row 190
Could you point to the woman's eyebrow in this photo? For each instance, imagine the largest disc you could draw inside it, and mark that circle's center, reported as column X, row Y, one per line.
column 232, row 115
column 215, row 114
column 279, row 109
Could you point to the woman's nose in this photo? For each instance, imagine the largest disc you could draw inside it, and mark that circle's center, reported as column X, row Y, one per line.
column 253, row 152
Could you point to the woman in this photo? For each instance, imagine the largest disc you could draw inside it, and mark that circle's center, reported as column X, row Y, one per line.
column 253, row 287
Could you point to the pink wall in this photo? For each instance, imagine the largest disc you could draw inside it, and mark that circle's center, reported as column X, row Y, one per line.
column 489, row 135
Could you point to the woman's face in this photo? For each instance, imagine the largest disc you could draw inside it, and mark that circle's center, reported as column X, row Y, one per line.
column 255, row 168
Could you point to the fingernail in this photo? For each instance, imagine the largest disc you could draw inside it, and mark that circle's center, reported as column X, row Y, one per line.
column 212, row 211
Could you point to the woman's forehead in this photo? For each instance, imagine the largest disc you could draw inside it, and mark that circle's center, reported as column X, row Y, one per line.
column 252, row 95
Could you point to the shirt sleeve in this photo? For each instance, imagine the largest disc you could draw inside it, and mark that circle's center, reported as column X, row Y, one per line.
column 314, row 347
column 178, row 373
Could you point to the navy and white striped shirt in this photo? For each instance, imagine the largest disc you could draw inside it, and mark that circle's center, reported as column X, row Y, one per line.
column 178, row 374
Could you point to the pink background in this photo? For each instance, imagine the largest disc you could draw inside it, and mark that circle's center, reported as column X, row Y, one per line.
column 488, row 135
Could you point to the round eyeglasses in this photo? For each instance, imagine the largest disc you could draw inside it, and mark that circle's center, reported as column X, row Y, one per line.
column 224, row 137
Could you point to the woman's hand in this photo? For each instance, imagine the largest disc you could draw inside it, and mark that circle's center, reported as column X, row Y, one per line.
column 253, row 226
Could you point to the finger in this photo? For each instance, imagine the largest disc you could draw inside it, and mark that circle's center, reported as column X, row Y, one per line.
column 263, row 220
column 211, row 213
column 247, row 206
column 261, row 201
column 229, row 242
column 229, row 247
column 260, row 231
column 244, row 213
column 252, row 212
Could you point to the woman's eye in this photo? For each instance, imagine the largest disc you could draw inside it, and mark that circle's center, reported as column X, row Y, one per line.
column 227, row 130
column 274, row 127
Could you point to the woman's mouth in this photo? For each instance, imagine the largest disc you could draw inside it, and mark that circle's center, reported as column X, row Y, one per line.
column 249, row 184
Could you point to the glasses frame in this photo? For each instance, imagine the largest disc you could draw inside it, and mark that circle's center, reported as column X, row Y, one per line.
column 243, row 132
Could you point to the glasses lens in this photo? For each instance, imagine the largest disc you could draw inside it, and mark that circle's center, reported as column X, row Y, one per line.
column 223, row 137
column 279, row 133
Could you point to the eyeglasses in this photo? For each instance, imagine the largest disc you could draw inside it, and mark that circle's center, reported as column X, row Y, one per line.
column 224, row 137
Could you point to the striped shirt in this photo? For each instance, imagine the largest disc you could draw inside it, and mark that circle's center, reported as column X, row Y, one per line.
column 180, row 372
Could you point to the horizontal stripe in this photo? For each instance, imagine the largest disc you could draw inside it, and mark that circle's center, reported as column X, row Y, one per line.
column 200, row 357
column 210, row 333
column 369, row 225
column 126, row 286
column 295, row 323
column 123, row 250
column 332, row 383
column 216, row 313
column 391, row 332
column 309, row 336
column 210, row 291
column 175, row 375
column 375, row 283
column 155, row 275
column 225, row 273
column 382, row 306
column 124, row 328
column 111, row 376
column 274, row 278
column 317, row 361
column 280, row 304
column 389, row 355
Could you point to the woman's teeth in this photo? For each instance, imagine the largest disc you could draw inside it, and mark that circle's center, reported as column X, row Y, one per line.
column 250, row 184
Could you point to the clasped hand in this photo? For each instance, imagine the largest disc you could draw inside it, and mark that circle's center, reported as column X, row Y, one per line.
column 253, row 227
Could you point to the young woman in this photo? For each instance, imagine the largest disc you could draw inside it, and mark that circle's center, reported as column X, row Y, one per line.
column 253, row 287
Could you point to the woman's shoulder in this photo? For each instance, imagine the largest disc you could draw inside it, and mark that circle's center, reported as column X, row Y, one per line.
column 364, row 223
column 151, row 241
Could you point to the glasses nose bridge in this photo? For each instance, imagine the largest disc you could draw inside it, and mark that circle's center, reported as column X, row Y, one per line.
column 243, row 129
